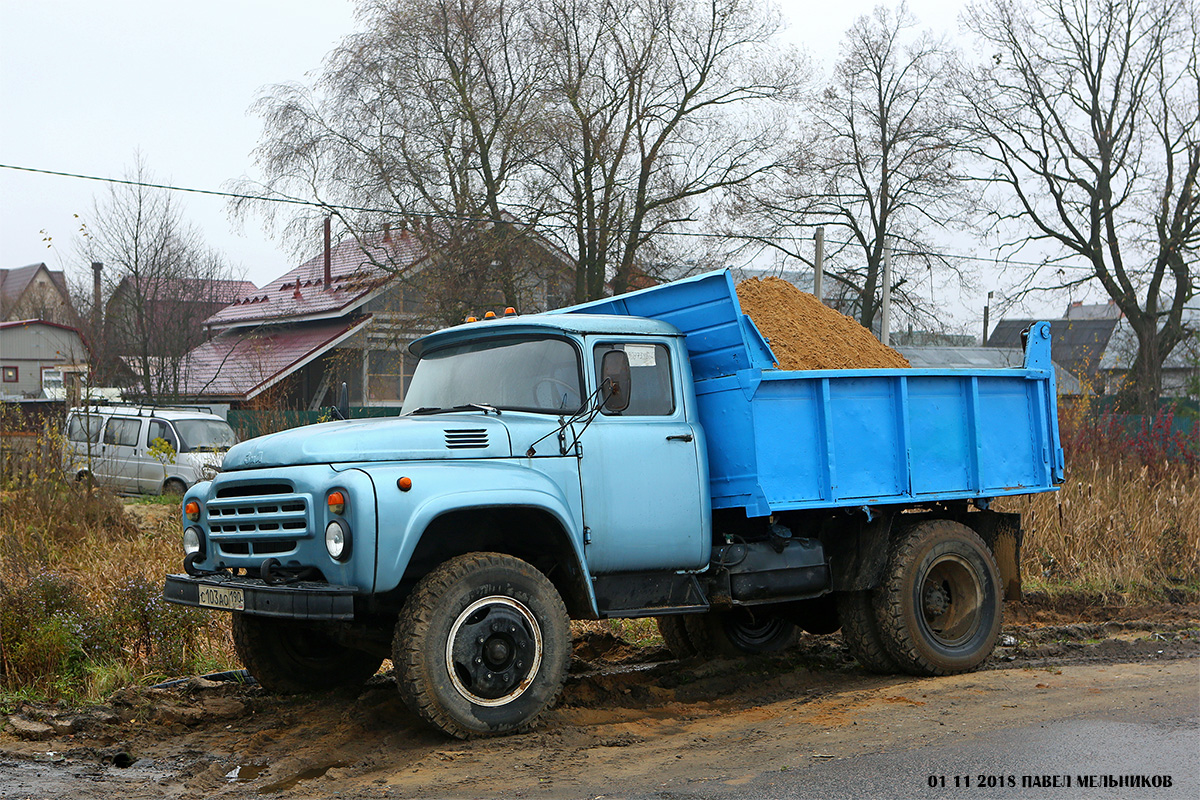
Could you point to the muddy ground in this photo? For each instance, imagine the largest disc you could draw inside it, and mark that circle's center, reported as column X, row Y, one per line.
column 631, row 720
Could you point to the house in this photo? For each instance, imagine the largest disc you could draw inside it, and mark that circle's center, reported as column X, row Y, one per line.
column 1095, row 343
column 35, row 292
column 345, row 315
column 151, row 323
column 36, row 355
column 179, row 304
column 1077, row 344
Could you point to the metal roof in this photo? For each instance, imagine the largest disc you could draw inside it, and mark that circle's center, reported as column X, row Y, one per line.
column 241, row 364
column 1076, row 344
column 300, row 294
column 922, row 357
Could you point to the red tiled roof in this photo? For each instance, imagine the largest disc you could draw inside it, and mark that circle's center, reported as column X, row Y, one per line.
column 241, row 364
column 301, row 293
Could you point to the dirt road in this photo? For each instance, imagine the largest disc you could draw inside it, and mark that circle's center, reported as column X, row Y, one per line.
column 630, row 723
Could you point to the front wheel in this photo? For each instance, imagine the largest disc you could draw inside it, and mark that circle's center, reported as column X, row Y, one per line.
column 939, row 607
column 482, row 645
column 292, row 657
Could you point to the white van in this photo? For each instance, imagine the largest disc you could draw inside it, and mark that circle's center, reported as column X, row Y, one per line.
column 115, row 445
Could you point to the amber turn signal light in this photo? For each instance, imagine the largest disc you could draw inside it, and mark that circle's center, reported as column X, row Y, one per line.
column 337, row 502
column 192, row 511
column 404, row 484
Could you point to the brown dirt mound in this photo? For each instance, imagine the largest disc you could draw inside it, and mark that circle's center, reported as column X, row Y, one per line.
column 804, row 334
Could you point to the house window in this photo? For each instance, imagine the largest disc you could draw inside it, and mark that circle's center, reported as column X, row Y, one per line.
column 10, row 374
column 388, row 374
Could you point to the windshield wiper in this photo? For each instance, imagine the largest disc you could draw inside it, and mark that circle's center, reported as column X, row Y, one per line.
column 484, row 407
column 465, row 407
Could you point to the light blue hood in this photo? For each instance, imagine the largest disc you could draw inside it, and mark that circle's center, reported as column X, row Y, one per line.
column 441, row 436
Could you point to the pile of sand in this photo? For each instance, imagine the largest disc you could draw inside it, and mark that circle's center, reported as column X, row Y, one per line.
column 804, row 334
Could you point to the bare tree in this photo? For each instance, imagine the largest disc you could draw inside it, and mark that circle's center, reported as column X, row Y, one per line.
column 657, row 104
column 877, row 164
column 1087, row 112
column 424, row 118
column 160, row 282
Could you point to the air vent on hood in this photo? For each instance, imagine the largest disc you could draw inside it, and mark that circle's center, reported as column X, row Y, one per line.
column 466, row 438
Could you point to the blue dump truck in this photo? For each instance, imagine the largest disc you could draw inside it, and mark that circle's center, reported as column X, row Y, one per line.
column 636, row 456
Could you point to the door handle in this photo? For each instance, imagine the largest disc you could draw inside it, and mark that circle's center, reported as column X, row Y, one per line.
column 680, row 437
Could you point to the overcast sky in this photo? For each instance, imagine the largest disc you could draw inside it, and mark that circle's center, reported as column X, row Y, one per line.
column 85, row 85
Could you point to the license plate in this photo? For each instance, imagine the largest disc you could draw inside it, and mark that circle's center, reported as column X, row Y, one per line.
column 228, row 599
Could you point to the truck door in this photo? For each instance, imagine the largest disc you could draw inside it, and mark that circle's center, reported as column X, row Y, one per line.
column 641, row 473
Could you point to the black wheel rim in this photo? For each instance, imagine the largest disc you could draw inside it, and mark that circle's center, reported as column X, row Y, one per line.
column 951, row 601
column 751, row 632
column 493, row 651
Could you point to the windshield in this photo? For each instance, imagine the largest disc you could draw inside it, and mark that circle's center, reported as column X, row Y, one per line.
column 520, row 374
column 204, row 434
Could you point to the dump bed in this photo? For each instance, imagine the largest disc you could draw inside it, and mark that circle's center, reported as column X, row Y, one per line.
column 781, row 440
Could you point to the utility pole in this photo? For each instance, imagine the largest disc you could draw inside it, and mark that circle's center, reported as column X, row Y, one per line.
column 986, row 308
column 819, row 263
column 885, row 319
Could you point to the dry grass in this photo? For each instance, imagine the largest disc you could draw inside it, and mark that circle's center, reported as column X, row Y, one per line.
column 81, row 605
column 1113, row 527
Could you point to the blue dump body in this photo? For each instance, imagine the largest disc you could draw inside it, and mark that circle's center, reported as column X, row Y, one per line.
column 783, row 440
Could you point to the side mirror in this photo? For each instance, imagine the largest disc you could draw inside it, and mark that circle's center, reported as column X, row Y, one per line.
column 614, row 372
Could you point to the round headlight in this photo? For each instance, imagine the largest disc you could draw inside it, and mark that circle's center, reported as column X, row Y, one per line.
column 337, row 540
column 191, row 541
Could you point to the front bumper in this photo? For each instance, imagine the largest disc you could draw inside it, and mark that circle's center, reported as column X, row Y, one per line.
column 302, row 600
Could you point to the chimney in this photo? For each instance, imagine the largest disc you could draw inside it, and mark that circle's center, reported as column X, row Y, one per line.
column 328, row 259
column 387, row 231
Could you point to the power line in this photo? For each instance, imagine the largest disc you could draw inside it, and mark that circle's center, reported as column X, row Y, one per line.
column 280, row 198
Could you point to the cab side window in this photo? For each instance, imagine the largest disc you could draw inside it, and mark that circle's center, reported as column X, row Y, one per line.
column 161, row 430
column 122, row 431
column 651, row 393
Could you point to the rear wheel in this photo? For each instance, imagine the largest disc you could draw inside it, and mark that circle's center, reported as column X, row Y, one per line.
column 675, row 636
column 860, row 632
column 939, row 607
column 482, row 645
column 174, row 487
column 291, row 657
column 741, row 631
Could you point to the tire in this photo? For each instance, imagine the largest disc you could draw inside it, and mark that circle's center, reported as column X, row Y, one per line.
column 939, row 607
column 860, row 632
column 173, row 487
column 482, row 646
column 675, row 636
column 740, row 632
column 293, row 657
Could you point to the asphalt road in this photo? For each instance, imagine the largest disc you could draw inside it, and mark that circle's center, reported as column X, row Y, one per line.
column 1046, row 760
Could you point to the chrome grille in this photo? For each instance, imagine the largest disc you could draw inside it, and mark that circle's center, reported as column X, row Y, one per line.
column 467, row 438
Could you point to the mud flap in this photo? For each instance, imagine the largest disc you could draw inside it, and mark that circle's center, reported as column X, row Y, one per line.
column 1003, row 535
column 857, row 558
